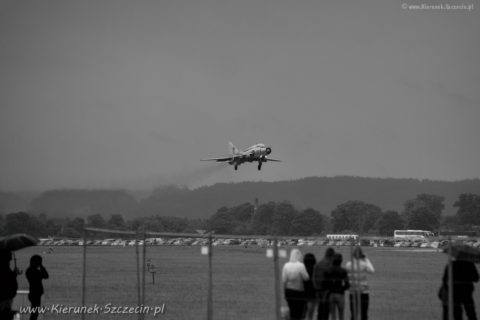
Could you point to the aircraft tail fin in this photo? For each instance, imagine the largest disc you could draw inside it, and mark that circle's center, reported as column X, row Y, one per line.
column 233, row 150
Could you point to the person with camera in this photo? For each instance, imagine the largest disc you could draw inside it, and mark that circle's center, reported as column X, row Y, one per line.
column 35, row 273
column 358, row 268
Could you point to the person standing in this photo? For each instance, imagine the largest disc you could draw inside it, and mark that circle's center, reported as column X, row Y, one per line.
column 338, row 278
column 464, row 274
column 320, row 283
column 294, row 274
column 35, row 274
column 309, row 262
column 8, row 285
column 358, row 269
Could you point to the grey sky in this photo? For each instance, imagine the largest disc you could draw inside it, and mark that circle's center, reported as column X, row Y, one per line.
column 118, row 93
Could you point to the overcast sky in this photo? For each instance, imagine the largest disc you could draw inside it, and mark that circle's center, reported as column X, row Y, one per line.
column 132, row 94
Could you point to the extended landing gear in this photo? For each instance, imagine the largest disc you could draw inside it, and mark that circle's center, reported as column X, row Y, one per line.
column 236, row 167
column 259, row 166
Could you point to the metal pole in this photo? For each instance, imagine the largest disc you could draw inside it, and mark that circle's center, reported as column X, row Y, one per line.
column 352, row 292
column 138, row 270
column 276, row 269
column 355, row 293
column 143, row 270
column 84, row 270
column 210, row 280
column 450, row 281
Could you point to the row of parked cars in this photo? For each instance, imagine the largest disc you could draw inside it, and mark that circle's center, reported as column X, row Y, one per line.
column 254, row 242
column 436, row 244
column 150, row 241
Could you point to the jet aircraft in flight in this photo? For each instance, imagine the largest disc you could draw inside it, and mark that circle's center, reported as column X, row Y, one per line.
column 257, row 152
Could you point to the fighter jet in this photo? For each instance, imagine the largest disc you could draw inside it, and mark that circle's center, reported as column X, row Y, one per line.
column 257, row 152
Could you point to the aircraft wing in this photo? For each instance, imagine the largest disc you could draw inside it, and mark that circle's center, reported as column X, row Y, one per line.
column 218, row 159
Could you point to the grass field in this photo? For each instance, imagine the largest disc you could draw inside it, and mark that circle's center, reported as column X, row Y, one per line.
column 404, row 286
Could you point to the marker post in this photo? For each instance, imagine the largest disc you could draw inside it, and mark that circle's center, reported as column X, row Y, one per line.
column 210, row 280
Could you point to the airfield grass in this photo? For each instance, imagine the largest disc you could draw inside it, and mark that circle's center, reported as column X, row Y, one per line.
column 404, row 285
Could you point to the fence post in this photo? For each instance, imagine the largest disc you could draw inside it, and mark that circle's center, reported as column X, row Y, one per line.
column 450, row 281
column 138, row 272
column 84, row 271
column 144, row 252
column 210, row 280
column 352, row 292
column 355, row 294
column 276, row 272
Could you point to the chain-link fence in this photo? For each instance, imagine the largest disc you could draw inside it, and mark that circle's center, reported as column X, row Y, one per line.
column 147, row 275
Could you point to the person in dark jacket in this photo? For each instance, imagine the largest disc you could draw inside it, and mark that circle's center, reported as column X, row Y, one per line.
column 35, row 274
column 464, row 275
column 309, row 262
column 320, row 283
column 338, row 283
column 8, row 285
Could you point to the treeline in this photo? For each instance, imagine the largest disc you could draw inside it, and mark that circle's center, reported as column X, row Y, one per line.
column 272, row 218
column 323, row 194
column 424, row 212
column 39, row 225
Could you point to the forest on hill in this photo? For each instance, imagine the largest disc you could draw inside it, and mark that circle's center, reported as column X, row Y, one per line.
column 320, row 193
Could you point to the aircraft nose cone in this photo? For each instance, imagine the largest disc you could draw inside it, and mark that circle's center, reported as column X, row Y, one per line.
column 268, row 150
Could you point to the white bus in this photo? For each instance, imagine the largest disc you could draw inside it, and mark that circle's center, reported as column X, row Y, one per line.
column 412, row 235
column 342, row 236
